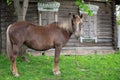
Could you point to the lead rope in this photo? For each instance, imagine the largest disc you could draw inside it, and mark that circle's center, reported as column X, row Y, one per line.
column 76, row 59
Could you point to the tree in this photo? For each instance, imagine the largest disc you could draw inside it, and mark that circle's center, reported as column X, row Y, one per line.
column 20, row 10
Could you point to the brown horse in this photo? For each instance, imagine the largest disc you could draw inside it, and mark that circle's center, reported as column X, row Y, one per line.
column 54, row 35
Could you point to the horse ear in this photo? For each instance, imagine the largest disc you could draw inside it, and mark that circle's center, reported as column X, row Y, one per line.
column 73, row 15
column 81, row 16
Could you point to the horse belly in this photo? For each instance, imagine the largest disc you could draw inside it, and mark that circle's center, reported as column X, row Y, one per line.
column 41, row 46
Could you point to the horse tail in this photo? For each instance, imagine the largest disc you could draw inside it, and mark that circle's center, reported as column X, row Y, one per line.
column 8, row 42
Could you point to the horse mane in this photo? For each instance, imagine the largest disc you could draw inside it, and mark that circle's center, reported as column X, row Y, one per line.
column 66, row 25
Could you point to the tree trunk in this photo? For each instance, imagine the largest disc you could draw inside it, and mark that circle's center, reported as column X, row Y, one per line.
column 18, row 9
column 21, row 10
column 25, row 7
column 21, row 13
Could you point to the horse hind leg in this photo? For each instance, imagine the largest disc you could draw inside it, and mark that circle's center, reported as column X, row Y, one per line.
column 13, row 60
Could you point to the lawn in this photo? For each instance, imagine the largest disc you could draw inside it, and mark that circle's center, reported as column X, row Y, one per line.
column 87, row 67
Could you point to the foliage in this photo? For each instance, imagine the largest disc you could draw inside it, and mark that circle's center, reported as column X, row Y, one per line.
column 90, row 67
column 118, row 14
column 118, row 19
column 84, row 7
column 9, row 2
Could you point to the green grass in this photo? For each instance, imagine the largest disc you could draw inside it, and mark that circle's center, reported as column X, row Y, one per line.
column 88, row 67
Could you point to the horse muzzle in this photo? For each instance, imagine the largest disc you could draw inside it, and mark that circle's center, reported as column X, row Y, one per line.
column 77, row 35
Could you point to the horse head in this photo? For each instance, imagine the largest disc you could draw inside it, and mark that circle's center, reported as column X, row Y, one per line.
column 76, row 24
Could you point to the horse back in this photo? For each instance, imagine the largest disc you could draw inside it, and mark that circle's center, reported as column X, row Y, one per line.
column 37, row 37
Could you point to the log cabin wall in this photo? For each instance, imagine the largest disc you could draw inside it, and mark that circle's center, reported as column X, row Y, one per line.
column 104, row 24
column 7, row 17
column 0, row 35
column 105, row 27
column 105, row 30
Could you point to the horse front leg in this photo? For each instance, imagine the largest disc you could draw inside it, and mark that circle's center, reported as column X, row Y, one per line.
column 56, row 61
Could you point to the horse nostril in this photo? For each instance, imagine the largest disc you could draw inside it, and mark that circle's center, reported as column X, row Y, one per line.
column 77, row 37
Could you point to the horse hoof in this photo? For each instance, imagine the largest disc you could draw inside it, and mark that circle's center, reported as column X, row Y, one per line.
column 16, row 75
column 56, row 72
